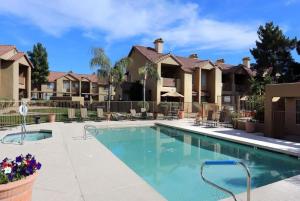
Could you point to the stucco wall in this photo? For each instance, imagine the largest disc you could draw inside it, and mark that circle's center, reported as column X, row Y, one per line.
column 291, row 91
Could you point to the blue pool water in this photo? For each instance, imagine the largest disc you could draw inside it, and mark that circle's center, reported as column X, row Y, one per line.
column 30, row 136
column 169, row 160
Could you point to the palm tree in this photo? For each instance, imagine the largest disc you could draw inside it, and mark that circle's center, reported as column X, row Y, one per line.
column 147, row 71
column 114, row 74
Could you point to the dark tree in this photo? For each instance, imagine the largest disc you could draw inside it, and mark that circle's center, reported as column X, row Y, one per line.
column 273, row 49
column 298, row 47
column 39, row 59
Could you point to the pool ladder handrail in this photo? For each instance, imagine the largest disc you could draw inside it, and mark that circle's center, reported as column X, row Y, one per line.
column 86, row 127
column 228, row 162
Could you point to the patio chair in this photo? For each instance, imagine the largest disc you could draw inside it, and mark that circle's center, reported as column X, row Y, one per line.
column 225, row 119
column 160, row 116
column 83, row 114
column 146, row 115
column 71, row 115
column 100, row 114
column 210, row 122
column 133, row 115
column 198, row 121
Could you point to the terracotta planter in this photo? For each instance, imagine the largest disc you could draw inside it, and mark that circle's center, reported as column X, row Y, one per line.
column 180, row 114
column 250, row 127
column 51, row 118
column 19, row 190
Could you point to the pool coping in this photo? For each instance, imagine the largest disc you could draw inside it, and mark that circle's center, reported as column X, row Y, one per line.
column 255, row 141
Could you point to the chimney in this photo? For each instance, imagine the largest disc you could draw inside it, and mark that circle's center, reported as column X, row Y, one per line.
column 158, row 43
column 246, row 62
column 193, row 56
column 220, row 61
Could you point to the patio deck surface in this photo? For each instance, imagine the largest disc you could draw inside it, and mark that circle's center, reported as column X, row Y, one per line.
column 75, row 169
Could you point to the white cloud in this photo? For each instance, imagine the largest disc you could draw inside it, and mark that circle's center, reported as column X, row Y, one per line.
column 180, row 24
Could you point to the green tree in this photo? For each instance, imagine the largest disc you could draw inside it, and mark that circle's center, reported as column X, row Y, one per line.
column 39, row 59
column 113, row 74
column 273, row 49
column 148, row 71
column 298, row 47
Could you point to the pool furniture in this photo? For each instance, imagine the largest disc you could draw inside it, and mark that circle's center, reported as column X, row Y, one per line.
column 225, row 119
column 71, row 115
column 118, row 116
column 227, row 162
column 83, row 114
column 210, row 122
column 146, row 115
column 198, row 121
column 100, row 115
column 133, row 115
column 160, row 116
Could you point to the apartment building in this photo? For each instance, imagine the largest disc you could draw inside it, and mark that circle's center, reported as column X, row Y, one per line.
column 15, row 73
column 70, row 84
column 196, row 79
column 236, row 81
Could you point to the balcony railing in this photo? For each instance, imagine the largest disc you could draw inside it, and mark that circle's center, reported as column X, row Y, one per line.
column 169, row 82
column 22, row 80
column 227, row 87
column 240, row 87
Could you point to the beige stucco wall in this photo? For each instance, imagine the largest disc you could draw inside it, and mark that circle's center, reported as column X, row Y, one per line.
column 291, row 91
column 9, row 76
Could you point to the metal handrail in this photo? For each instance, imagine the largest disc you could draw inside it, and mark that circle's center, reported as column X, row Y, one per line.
column 86, row 127
column 228, row 162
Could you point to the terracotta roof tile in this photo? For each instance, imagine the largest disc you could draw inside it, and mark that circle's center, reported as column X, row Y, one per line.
column 17, row 56
column 56, row 75
column 6, row 48
column 187, row 64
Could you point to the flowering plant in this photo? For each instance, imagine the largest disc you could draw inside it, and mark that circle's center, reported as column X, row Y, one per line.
column 13, row 170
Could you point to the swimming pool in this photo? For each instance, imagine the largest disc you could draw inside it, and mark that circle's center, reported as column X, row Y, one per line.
column 30, row 136
column 170, row 159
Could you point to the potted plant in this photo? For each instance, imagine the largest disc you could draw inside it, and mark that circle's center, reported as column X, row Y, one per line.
column 234, row 119
column 250, row 125
column 17, row 178
column 51, row 117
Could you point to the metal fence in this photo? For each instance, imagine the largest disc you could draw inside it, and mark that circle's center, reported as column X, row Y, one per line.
column 9, row 115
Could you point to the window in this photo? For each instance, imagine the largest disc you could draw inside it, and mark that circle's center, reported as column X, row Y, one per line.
column 227, row 99
column 66, row 84
column 50, row 85
column 297, row 111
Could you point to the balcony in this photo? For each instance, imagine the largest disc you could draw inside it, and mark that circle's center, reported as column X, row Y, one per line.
column 22, row 82
column 168, row 82
column 241, row 88
column 227, row 87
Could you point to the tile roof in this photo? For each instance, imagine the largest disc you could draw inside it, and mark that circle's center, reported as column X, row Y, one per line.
column 6, row 48
column 187, row 64
column 56, row 75
column 16, row 56
column 230, row 68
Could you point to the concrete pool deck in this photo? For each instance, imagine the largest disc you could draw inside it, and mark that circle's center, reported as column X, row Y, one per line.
column 75, row 169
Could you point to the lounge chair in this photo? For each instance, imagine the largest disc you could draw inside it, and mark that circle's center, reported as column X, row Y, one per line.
column 83, row 114
column 117, row 116
column 160, row 116
column 71, row 115
column 210, row 122
column 225, row 119
column 100, row 114
column 146, row 115
column 198, row 121
column 134, row 115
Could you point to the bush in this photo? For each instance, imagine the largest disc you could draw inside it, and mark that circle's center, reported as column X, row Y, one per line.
column 140, row 104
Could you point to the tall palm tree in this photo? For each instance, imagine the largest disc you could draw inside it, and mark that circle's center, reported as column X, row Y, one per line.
column 113, row 74
column 148, row 71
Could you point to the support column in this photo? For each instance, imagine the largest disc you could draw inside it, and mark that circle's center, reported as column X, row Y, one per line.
column 70, row 87
column 28, row 80
column 80, row 88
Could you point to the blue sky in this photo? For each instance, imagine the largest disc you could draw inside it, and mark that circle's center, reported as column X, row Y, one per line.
column 211, row 28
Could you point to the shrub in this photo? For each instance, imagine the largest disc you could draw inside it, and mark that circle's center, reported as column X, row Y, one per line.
column 140, row 104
